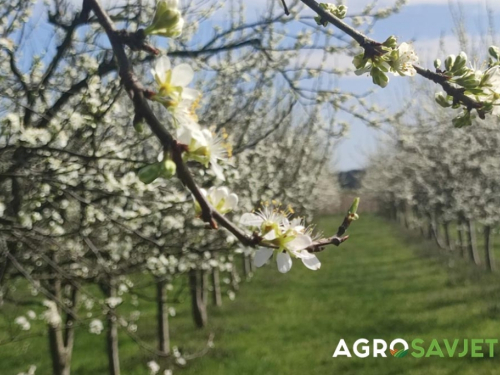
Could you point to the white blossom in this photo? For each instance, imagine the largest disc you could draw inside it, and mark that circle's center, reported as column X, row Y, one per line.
column 96, row 327
column 23, row 323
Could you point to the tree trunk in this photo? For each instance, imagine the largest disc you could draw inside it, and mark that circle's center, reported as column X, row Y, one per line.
column 460, row 232
column 204, row 286
column 216, row 293
column 198, row 307
column 252, row 265
column 61, row 338
column 234, row 278
column 471, row 242
column 488, row 248
column 246, row 266
column 405, row 218
column 429, row 230
column 446, row 229
column 436, row 235
column 162, row 316
column 112, row 334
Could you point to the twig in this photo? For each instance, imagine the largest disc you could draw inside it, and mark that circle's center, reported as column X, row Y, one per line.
column 287, row 12
column 374, row 48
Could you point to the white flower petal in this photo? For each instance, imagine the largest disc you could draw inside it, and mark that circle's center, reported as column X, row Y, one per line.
column 284, row 262
column 300, row 242
column 312, row 263
column 190, row 94
column 303, row 254
column 251, row 220
column 262, row 256
column 218, row 171
column 161, row 67
column 182, row 75
column 184, row 135
column 271, row 235
column 232, row 201
column 219, row 194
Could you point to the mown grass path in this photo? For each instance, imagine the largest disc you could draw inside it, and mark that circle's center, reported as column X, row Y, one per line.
column 383, row 283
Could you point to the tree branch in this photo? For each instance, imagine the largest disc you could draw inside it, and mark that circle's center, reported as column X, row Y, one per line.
column 373, row 48
column 135, row 91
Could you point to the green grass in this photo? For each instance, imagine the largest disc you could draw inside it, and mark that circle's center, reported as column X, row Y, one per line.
column 383, row 283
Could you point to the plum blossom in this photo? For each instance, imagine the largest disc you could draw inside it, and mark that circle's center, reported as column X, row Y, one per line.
column 220, row 198
column 403, row 63
column 153, row 367
column 96, row 327
column 206, row 148
column 288, row 238
column 51, row 315
column 172, row 83
column 23, row 323
column 112, row 302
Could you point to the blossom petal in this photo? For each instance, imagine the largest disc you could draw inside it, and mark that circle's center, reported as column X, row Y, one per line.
column 251, row 220
column 303, row 254
column 312, row 263
column 271, row 235
column 262, row 256
column 300, row 242
column 182, row 75
column 161, row 67
column 284, row 262
column 190, row 94
column 219, row 194
column 232, row 201
column 218, row 171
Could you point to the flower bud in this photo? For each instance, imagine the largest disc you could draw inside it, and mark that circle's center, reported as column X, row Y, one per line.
column 391, row 42
column 462, row 120
column 167, row 21
column 440, row 98
column 437, row 63
column 448, row 63
column 168, row 169
column 354, row 206
column 149, row 173
column 379, row 77
column 494, row 52
column 460, row 62
column 359, row 61
column 139, row 127
column 341, row 11
column 468, row 81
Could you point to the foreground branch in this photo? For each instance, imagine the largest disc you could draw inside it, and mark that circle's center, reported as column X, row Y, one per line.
column 143, row 111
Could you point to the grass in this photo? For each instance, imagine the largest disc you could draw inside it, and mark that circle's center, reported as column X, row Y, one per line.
column 383, row 283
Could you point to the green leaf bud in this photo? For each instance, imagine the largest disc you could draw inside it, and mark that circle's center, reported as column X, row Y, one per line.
column 149, row 173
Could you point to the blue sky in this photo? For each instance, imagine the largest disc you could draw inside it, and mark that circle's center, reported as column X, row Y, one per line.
column 424, row 22
column 421, row 21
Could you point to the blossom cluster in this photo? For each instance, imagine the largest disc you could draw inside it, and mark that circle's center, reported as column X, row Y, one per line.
column 480, row 85
column 288, row 237
column 339, row 11
column 388, row 57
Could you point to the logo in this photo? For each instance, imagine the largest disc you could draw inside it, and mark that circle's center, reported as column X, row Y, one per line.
column 399, row 348
column 399, row 353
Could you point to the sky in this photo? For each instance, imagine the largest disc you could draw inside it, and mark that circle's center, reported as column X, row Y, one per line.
column 424, row 22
